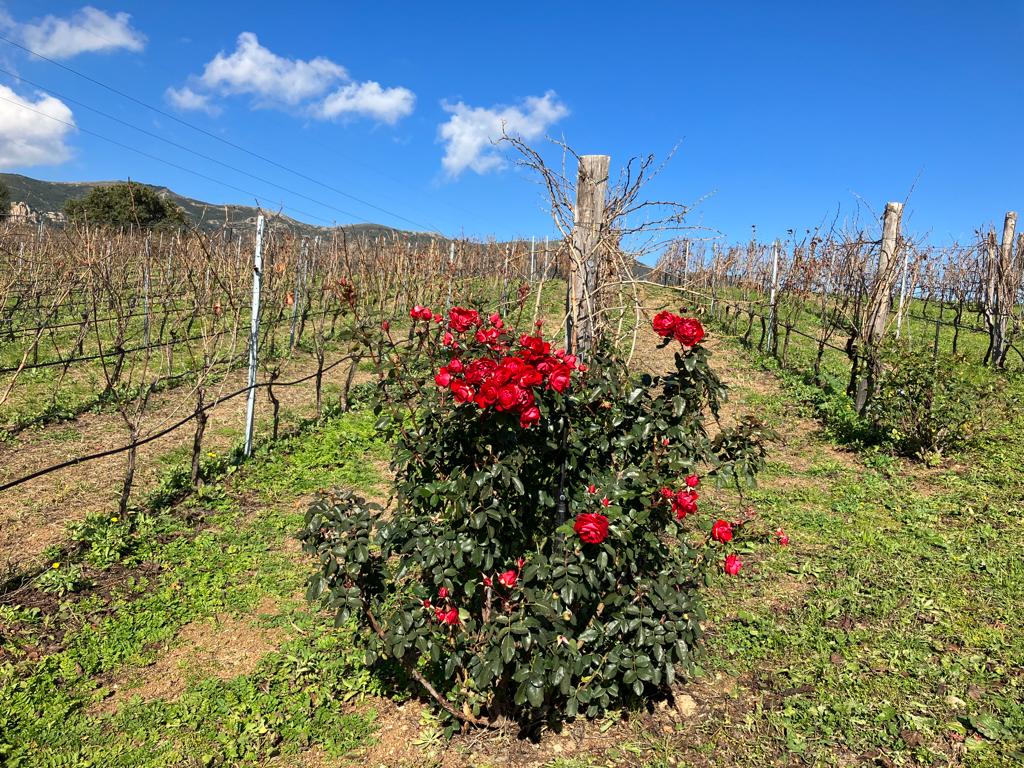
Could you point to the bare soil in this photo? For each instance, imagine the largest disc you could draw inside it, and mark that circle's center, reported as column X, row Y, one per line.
column 35, row 515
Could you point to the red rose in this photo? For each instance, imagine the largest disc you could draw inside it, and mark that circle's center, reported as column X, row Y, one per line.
column 495, row 320
column 426, row 603
column 449, row 617
column 529, row 417
column 685, row 503
column 508, row 397
column 462, row 392
column 487, row 395
column 732, row 565
column 692, row 481
column 420, row 313
column 455, row 366
column 559, row 378
column 487, row 581
column 448, row 339
column 529, row 377
column 520, row 562
column 442, row 592
column 461, row 319
column 782, row 538
column 667, row 493
column 443, row 378
column 721, row 531
column 605, row 502
column 689, row 331
column 437, row 318
column 591, row 488
column 664, row 323
column 385, row 325
column 508, row 579
column 592, row 527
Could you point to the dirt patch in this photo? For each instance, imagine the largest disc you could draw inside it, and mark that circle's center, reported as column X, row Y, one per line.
column 223, row 647
column 35, row 515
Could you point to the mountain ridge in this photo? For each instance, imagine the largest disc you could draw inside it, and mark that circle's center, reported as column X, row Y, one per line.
column 50, row 196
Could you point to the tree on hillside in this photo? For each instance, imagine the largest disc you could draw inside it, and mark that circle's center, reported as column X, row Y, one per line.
column 124, row 205
column 5, row 200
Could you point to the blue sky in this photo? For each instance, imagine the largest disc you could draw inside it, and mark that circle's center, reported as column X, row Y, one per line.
column 784, row 113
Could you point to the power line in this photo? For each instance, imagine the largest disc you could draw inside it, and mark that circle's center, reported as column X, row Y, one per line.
column 214, row 136
column 178, row 145
column 122, row 145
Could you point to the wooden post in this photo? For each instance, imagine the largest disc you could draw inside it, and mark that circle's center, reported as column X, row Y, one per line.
column 877, row 312
column 533, row 258
column 254, row 334
column 772, row 301
column 585, row 258
column 1006, row 284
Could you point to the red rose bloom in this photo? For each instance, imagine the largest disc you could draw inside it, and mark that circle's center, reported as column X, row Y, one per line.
column 559, row 378
column 442, row 592
column 487, row 395
column 448, row 617
column 508, row 397
column 443, row 378
column 529, row 377
column 591, row 527
column 529, row 417
column 685, row 503
column 664, row 323
column 782, row 538
column 455, row 366
column 689, row 331
column 508, row 579
column 461, row 319
column 591, row 488
column 732, row 565
column 462, row 392
column 692, row 481
column 721, row 531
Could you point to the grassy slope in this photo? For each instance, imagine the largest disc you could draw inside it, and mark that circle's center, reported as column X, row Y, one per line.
column 887, row 634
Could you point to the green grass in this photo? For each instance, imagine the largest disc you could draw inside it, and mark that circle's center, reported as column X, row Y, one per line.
column 888, row 633
column 297, row 695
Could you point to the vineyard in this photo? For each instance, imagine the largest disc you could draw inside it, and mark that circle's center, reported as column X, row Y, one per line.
column 171, row 403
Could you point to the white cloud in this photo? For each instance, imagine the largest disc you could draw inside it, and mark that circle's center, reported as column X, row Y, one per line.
column 87, row 31
column 275, row 81
column 469, row 133
column 30, row 133
column 188, row 100
column 388, row 105
column 255, row 70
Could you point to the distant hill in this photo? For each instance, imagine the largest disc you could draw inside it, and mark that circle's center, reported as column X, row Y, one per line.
column 50, row 196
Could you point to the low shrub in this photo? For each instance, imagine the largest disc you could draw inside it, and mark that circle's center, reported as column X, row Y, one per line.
column 925, row 405
column 546, row 556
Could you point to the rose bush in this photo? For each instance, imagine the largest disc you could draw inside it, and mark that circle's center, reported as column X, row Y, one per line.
column 546, row 550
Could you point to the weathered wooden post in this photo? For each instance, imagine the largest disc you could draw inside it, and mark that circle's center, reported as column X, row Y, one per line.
column 254, row 334
column 1007, row 281
column 585, row 257
column 876, row 316
column 773, row 298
